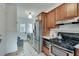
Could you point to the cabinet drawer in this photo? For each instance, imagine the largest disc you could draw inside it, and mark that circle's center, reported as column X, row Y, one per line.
column 46, row 50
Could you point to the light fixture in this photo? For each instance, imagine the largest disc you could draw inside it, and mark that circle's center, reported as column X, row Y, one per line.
column 30, row 15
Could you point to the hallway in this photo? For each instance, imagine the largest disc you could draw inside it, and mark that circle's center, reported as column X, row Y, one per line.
column 27, row 50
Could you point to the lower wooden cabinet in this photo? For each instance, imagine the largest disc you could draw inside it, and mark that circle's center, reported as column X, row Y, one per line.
column 46, row 50
column 76, row 52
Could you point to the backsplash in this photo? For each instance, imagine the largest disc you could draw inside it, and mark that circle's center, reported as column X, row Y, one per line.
column 70, row 28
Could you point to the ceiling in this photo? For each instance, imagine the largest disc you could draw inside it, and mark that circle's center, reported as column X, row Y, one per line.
column 24, row 8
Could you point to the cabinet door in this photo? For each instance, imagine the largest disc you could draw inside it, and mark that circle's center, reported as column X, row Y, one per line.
column 58, row 13
column 63, row 12
column 78, row 9
column 46, row 50
column 52, row 19
column 44, row 24
column 71, row 9
column 48, row 20
column 76, row 52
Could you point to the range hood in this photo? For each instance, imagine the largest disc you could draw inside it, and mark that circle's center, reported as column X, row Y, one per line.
column 68, row 21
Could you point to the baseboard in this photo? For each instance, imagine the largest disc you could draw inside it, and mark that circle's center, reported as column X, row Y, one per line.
column 12, row 53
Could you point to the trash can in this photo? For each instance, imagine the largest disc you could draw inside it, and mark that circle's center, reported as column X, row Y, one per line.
column 19, row 42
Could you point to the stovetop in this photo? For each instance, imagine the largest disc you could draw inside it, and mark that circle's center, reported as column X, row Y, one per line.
column 67, row 43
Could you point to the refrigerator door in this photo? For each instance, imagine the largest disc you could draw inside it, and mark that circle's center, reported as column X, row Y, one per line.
column 36, row 46
column 40, row 36
column 37, row 30
column 37, row 40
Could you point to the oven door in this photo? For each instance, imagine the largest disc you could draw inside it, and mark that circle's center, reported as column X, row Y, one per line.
column 58, row 51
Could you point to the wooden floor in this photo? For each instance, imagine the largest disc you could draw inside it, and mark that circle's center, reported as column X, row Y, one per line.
column 27, row 50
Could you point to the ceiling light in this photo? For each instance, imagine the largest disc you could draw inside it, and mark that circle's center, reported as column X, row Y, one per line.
column 30, row 16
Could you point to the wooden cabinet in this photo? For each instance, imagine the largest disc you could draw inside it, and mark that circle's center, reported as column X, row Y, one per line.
column 51, row 19
column 76, row 52
column 42, row 17
column 63, row 12
column 71, row 10
column 48, row 20
column 58, row 12
column 78, row 9
column 46, row 43
column 44, row 23
column 46, row 50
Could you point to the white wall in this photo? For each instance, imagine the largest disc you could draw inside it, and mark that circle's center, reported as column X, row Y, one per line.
column 2, row 29
column 8, row 28
column 11, row 28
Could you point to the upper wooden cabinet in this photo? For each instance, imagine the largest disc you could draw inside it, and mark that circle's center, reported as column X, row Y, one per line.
column 63, row 12
column 42, row 17
column 78, row 9
column 48, row 20
column 66, row 10
column 71, row 10
column 58, row 13
column 51, row 19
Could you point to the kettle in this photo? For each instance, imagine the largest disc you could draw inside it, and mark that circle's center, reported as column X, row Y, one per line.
column 59, row 38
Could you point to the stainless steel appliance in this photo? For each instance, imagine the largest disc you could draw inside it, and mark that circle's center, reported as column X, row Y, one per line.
column 37, row 36
column 64, row 46
column 60, row 51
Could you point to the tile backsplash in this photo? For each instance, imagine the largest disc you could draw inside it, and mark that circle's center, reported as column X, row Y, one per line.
column 70, row 28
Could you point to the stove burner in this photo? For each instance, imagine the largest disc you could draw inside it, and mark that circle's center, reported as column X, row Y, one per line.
column 68, row 44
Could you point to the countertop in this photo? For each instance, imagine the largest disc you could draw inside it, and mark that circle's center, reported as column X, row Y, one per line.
column 47, row 37
column 77, row 46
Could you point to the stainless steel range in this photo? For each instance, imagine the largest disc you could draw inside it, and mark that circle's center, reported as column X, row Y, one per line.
column 65, row 45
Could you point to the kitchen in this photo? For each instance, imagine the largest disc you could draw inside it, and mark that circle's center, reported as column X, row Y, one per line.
column 49, row 29
column 60, row 30
column 46, row 30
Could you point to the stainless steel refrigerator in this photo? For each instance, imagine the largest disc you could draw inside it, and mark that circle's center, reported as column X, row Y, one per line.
column 38, row 36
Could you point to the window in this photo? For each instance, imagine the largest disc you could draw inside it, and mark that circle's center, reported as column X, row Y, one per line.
column 22, row 27
column 30, row 28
